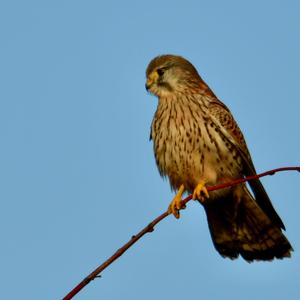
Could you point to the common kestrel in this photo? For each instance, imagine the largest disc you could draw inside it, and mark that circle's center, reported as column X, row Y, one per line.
column 196, row 143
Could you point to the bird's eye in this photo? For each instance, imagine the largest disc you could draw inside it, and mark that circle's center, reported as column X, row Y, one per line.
column 160, row 72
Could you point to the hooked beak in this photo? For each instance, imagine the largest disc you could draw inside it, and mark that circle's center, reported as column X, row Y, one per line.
column 152, row 78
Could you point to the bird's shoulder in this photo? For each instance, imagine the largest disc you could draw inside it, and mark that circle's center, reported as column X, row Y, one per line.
column 225, row 119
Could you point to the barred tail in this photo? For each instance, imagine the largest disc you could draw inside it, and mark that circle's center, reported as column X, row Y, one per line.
column 238, row 226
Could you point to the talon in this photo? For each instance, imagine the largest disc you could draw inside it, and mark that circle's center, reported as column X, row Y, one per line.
column 175, row 206
column 200, row 192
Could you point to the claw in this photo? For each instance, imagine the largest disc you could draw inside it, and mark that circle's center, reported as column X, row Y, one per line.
column 176, row 205
column 200, row 192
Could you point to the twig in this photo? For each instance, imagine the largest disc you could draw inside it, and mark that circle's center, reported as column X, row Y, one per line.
column 150, row 228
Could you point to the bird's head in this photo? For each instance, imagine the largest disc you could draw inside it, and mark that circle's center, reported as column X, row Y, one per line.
column 169, row 74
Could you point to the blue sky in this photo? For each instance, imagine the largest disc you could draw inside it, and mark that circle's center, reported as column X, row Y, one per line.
column 78, row 176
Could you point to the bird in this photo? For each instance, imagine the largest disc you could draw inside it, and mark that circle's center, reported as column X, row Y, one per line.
column 197, row 143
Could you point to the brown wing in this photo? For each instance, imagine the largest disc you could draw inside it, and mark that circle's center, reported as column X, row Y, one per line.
column 230, row 130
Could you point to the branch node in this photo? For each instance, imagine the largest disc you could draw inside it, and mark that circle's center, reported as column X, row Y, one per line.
column 150, row 228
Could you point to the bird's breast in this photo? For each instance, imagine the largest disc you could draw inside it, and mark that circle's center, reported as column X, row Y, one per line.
column 187, row 147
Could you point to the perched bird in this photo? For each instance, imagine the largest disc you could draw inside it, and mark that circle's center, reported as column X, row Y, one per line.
column 196, row 143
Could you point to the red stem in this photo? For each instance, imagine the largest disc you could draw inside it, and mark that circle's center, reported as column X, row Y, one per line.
column 150, row 228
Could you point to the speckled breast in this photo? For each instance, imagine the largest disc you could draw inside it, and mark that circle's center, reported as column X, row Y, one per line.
column 188, row 147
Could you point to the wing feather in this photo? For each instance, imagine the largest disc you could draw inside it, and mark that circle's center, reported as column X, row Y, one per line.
column 227, row 126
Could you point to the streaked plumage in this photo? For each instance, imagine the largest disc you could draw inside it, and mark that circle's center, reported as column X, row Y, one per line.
column 195, row 139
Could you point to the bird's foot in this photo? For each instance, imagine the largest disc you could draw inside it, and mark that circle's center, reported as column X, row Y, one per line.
column 200, row 192
column 176, row 204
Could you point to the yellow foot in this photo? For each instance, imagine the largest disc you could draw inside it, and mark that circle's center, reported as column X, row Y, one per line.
column 176, row 205
column 200, row 192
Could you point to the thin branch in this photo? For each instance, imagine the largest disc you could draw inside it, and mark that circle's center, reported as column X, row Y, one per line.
column 150, row 228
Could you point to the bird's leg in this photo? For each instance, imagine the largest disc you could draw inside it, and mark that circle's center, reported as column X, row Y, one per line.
column 200, row 192
column 176, row 204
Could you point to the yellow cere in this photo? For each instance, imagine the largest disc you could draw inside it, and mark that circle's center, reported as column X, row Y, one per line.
column 152, row 77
